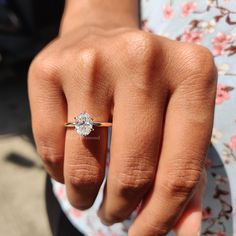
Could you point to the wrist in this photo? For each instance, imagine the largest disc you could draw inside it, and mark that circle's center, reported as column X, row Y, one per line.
column 106, row 14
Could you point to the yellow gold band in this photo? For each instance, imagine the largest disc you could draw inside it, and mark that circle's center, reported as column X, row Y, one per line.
column 98, row 124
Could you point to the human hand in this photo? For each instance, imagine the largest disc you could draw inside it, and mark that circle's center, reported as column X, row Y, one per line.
column 159, row 95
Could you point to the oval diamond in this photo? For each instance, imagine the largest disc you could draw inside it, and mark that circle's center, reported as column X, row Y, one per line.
column 83, row 124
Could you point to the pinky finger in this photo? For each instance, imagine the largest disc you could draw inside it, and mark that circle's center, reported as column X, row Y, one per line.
column 49, row 112
column 191, row 219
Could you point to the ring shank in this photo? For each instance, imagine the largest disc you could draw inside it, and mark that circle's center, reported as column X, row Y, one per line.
column 102, row 124
column 70, row 124
column 98, row 124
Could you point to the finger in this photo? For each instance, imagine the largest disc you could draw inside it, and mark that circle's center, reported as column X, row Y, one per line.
column 85, row 157
column 48, row 110
column 187, row 132
column 191, row 219
column 136, row 132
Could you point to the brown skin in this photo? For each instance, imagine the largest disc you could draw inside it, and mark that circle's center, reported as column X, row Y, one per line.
column 160, row 97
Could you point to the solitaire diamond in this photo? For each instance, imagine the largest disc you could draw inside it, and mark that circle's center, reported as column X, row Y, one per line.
column 83, row 124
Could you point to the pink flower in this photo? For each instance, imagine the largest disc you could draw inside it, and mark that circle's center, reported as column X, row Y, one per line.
column 60, row 192
column 218, row 49
column 167, row 11
column 220, row 42
column 187, row 8
column 222, row 93
column 76, row 213
column 232, row 143
column 192, row 36
column 100, row 233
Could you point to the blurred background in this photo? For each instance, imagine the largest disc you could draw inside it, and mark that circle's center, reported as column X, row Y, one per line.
column 25, row 27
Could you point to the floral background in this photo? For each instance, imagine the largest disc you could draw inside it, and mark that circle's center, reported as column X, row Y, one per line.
column 211, row 23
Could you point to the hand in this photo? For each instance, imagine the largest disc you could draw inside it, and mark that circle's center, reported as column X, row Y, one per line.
column 159, row 95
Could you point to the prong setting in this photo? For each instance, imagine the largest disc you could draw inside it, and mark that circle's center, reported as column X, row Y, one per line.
column 83, row 124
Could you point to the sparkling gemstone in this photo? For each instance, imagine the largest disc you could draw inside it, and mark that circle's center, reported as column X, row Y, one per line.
column 83, row 124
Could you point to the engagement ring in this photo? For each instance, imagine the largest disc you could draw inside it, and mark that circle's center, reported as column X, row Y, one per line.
column 83, row 124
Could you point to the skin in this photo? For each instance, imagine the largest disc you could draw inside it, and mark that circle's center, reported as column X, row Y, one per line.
column 158, row 93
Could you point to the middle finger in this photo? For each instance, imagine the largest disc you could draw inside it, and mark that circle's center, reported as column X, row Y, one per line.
column 136, row 134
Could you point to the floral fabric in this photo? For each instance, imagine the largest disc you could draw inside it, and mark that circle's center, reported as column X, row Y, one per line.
column 211, row 23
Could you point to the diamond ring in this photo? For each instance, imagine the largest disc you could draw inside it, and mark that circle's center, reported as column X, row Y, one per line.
column 83, row 124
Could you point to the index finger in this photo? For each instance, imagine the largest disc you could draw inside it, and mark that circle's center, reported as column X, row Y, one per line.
column 187, row 131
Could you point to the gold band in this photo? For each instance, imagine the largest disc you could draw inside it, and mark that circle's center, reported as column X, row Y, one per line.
column 98, row 124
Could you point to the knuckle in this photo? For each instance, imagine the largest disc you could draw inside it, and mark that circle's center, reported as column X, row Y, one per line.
column 84, row 57
column 201, row 61
column 183, row 176
column 87, row 61
column 85, row 177
column 194, row 70
column 88, row 56
column 50, row 156
column 141, row 59
column 140, row 47
column 135, row 182
column 44, row 66
column 182, row 186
